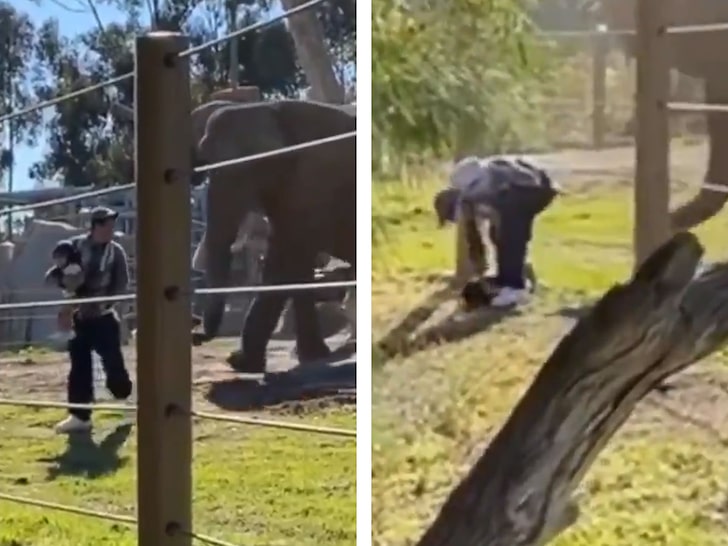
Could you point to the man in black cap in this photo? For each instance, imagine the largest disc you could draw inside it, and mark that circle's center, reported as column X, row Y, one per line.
column 96, row 325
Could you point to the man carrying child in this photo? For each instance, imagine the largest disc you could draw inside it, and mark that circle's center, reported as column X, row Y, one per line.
column 95, row 325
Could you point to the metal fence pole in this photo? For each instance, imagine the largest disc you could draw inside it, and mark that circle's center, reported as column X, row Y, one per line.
column 163, row 163
column 600, row 51
column 652, row 172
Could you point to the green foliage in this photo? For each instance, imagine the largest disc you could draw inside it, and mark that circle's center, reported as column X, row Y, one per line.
column 16, row 54
column 86, row 145
column 452, row 76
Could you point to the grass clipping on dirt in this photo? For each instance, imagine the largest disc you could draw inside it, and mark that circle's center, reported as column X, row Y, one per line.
column 252, row 486
column 662, row 480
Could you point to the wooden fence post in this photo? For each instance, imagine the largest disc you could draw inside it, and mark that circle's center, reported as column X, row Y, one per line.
column 600, row 48
column 652, row 170
column 163, row 164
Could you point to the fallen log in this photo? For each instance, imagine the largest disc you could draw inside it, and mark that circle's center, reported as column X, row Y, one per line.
column 520, row 491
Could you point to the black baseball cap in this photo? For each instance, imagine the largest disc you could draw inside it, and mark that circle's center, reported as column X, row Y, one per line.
column 99, row 215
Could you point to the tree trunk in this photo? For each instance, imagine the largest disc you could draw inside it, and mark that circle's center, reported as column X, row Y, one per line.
column 519, row 493
column 308, row 36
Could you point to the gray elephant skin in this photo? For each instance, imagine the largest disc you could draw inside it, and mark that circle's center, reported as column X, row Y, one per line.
column 309, row 197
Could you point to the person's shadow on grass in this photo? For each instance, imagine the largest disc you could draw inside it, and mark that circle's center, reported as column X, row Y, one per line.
column 403, row 339
column 83, row 457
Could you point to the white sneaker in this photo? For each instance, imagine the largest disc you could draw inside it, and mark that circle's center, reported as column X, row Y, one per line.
column 73, row 424
column 701, row 268
column 507, row 297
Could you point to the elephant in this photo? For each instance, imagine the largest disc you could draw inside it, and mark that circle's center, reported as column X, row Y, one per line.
column 699, row 55
column 308, row 196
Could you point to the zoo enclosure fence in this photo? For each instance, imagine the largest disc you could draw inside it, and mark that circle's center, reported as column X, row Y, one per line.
column 593, row 104
column 164, row 410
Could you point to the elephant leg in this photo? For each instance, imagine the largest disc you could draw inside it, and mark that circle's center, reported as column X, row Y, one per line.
column 263, row 315
column 349, row 308
column 223, row 221
column 712, row 197
column 288, row 323
column 288, row 261
column 310, row 344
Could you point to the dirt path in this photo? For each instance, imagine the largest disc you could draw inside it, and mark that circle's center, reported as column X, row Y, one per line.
column 287, row 388
column 687, row 159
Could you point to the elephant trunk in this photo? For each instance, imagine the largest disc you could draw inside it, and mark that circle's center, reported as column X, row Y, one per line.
column 223, row 219
column 218, row 273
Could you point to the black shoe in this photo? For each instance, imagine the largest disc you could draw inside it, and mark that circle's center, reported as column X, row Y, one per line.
column 310, row 354
column 243, row 362
column 475, row 295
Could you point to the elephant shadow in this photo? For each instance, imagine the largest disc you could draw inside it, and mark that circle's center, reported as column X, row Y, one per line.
column 331, row 381
column 84, row 457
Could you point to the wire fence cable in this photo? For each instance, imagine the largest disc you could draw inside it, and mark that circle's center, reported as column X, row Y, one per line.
column 202, row 169
column 300, row 287
column 67, row 199
column 117, row 518
column 251, row 28
column 106, row 516
column 131, row 408
column 63, row 98
column 190, row 51
column 275, row 153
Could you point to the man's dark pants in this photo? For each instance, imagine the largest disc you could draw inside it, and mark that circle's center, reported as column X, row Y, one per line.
column 102, row 335
column 511, row 241
column 517, row 211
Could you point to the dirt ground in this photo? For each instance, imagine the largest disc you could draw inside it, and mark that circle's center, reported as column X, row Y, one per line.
column 287, row 388
column 688, row 160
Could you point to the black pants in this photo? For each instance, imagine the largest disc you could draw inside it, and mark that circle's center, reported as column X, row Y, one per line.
column 511, row 241
column 102, row 335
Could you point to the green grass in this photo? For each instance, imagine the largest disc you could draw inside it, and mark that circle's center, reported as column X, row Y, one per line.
column 660, row 481
column 253, row 486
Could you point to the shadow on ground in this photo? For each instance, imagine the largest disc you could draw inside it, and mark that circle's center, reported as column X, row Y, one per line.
column 83, row 457
column 574, row 312
column 329, row 382
column 402, row 340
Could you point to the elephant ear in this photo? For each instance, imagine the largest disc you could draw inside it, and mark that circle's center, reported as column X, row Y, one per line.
column 240, row 130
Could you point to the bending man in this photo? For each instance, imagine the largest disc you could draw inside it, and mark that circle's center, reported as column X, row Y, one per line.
column 508, row 193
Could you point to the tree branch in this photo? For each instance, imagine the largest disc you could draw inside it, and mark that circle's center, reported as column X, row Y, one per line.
column 519, row 493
